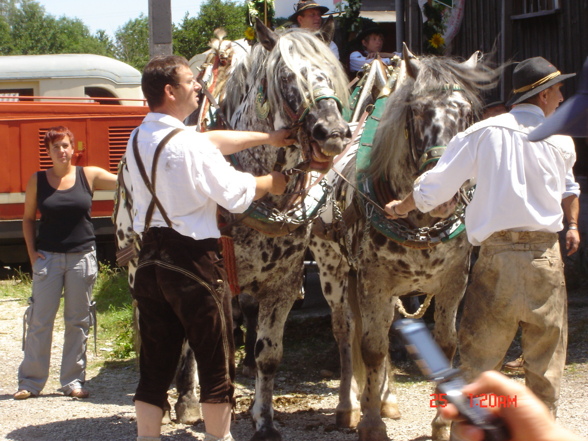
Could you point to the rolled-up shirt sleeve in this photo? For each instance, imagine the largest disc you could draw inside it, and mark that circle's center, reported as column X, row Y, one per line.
column 228, row 187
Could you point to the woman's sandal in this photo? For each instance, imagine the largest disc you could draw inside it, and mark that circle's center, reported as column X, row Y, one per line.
column 23, row 394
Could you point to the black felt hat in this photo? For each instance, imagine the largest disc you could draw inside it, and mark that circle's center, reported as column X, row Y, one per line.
column 368, row 31
column 571, row 118
column 533, row 75
column 303, row 5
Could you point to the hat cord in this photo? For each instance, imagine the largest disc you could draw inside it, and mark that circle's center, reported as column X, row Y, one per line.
column 538, row 82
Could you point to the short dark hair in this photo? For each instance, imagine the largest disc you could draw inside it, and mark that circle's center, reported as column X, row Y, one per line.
column 55, row 134
column 159, row 72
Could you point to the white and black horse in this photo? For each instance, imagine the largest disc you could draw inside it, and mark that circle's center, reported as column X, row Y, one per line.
column 366, row 261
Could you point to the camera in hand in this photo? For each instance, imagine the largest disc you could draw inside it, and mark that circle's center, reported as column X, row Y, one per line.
column 434, row 365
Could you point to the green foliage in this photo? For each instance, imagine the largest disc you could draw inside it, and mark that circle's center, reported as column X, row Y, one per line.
column 26, row 29
column 132, row 42
column 349, row 19
column 434, row 28
column 193, row 34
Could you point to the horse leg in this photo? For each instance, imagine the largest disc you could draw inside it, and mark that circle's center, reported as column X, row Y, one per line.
column 376, row 318
column 188, row 405
column 333, row 272
column 268, row 354
column 445, row 334
column 250, row 309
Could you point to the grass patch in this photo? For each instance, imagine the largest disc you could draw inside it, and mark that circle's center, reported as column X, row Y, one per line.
column 115, row 312
column 113, row 306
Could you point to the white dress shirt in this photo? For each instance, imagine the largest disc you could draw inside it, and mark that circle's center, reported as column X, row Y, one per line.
column 519, row 184
column 192, row 178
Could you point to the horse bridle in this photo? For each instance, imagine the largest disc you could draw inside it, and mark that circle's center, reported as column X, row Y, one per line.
column 431, row 154
column 318, row 94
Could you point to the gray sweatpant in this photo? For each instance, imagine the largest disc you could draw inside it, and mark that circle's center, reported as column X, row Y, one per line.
column 73, row 275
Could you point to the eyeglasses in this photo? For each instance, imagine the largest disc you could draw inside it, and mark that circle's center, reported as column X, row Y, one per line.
column 191, row 83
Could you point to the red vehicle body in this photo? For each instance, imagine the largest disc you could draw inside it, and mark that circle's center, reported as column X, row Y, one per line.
column 101, row 134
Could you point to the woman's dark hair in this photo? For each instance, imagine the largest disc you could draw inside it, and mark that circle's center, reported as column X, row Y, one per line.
column 159, row 72
column 57, row 133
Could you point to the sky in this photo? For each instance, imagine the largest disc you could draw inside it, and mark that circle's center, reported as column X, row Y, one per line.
column 112, row 14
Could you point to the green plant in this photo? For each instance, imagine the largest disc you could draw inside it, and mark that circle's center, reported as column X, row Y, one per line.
column 434, row 27
column 115, row 311
column 349, row 18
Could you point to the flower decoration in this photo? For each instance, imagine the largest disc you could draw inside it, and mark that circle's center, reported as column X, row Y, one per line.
column 250, row 34
column 434, row 27
column 437, row 41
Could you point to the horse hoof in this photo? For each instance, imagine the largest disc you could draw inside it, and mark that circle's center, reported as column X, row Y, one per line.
column 441, row 429
column 374, row 431
column 188, row 415
column 249, row 372
column 346, row 419
column 390, row 410
column 166, row 419
column 267, row 434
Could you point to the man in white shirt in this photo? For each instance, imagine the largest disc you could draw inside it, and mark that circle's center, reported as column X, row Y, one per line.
column 180, row 284
column 309, row 15
column 515, row 214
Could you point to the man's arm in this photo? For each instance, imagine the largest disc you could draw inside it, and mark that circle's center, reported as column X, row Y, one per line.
column 571, row 209
column 396, row 209
column 233, row 141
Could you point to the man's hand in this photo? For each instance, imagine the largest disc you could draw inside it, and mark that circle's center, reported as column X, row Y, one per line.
column 279, row 181
column 281, row 138
column 528, row 420
column 572, row 241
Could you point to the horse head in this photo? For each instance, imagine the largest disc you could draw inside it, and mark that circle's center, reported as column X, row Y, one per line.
column 304, row 87
column 436, row 98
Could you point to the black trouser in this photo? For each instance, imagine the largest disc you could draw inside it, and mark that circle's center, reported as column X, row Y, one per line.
column 181, row 293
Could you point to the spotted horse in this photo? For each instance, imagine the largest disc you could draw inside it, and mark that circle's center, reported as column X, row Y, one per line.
column 291, row 79
column 366, row 261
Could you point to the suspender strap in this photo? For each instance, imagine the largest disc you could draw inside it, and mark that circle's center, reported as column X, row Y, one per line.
column 151, row 183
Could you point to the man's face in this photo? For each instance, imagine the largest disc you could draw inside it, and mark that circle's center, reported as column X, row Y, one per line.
column 310, row 19
column 186, row 90
column 553, row 98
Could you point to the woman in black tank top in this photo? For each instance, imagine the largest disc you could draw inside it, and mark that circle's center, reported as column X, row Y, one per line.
column 63, row 259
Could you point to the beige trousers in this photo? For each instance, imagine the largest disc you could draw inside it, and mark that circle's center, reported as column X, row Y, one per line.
column 518, row 280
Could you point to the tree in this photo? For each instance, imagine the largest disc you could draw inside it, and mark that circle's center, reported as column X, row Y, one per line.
column 27, row 29
column 193, row 34
column 132, row 42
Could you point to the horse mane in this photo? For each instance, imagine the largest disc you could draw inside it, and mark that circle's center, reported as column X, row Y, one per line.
column 296, row 49
column 434, row 73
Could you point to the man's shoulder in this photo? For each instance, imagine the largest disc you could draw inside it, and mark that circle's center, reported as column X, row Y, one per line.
column 504, row 121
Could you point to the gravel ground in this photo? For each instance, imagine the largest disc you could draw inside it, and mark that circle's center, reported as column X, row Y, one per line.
column 305, row 396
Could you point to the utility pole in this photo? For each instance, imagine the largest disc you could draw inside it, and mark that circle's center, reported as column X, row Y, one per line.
column 160, row 28
column 399, row 24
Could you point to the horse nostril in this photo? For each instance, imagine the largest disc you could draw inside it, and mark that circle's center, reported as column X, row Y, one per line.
column 319, row 132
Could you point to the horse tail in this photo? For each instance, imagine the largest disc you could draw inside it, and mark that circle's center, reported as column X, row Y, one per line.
column 359, row 369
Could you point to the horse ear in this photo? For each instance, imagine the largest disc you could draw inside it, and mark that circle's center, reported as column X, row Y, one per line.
column 473, row 60
column 327, row 30
column 265, row 35
column 413, row 64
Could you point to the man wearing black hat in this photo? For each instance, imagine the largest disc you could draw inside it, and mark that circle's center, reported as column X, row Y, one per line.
column 309, row 15
column 515, row 215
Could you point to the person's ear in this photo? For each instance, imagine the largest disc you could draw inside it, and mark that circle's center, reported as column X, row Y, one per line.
column 169, row 91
